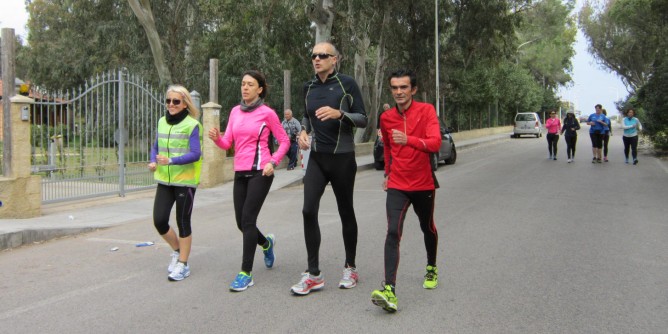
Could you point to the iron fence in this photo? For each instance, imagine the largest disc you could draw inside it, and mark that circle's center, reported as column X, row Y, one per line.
column 95, row 140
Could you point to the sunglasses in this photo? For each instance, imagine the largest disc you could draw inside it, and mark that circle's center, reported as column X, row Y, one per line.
column 321, row 56
column 175, row 102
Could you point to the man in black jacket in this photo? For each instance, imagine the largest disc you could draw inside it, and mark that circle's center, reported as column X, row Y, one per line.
column 333, row 107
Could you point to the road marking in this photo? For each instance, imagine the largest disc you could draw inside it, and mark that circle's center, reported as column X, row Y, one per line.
column 59, row 298
column 662, row 165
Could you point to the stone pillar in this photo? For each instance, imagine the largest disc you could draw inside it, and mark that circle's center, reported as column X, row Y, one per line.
column 213, row 172
column 213, row 80
column 20, row 192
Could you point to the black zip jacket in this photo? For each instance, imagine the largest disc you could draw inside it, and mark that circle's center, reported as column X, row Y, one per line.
column 340, row 92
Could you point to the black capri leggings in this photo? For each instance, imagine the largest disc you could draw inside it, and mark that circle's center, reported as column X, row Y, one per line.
column 250, row 190
column 596, row 140
column 340, row 170
column 165, row 197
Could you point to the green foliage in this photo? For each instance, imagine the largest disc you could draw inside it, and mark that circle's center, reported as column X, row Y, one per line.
column 480, row 63
column 652, row 96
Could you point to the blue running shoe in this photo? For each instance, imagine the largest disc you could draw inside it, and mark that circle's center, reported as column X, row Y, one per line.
column 242, row 282
column 269, row 256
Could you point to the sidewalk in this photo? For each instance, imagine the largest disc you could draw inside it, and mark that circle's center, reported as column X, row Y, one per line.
column 70, row 218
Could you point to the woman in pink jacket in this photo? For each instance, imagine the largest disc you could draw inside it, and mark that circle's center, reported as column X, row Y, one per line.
column 553, row 126
column 248, row 130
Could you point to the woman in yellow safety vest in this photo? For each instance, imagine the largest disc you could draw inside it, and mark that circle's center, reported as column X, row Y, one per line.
column 176, row 160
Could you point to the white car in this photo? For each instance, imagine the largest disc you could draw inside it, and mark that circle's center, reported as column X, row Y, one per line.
column 527, row 123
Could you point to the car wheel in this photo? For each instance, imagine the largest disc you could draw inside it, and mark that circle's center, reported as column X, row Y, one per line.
column 453, row 156
column 434, row 161
column 538, row 135
column 379, row 165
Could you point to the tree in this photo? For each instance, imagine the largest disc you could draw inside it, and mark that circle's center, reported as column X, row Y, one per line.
column 321, row 16
column 142, row 10
column 620, row 39
column 630, row 38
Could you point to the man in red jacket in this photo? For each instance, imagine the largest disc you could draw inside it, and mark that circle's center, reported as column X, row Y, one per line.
column 410, row 133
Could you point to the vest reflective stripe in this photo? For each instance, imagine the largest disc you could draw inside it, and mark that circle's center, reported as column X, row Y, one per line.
column 173, row 141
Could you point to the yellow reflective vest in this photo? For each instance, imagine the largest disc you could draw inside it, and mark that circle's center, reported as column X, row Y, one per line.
column 173, row 141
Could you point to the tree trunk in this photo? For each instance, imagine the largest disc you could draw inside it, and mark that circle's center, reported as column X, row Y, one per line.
column 142, row 10
column 378, row 81
column 321, row 15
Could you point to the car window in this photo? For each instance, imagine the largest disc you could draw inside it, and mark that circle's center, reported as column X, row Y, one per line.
column 525, row 117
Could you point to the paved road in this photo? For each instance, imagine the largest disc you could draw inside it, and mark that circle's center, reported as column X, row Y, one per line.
column 527, row 245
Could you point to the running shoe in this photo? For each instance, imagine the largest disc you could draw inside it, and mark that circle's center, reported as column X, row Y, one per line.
column 431, row 278
column 241, row 282
column 172, row 263
column 635, row 161
column 385, row 298
column 593, row 160
column 626, row 161
column 269, row 256
column 598, row 160
column 308, row 283
column 180, row 272
column 569, row 161
column 605, row 159
column 350, row 278
column 555, row 157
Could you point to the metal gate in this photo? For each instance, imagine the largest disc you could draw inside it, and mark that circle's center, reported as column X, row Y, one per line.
column 95, row 140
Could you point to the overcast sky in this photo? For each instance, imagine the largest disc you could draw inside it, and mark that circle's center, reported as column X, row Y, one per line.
column 591, row 84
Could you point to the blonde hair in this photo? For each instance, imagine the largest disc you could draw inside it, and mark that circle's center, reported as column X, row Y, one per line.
column 192, row 109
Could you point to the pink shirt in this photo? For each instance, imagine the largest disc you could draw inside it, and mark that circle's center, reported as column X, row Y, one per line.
column 553, row 125
column 243, row 129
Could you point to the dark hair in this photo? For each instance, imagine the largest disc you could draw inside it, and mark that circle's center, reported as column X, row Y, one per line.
column 400, row 73
column 630, row 109
column 598, row 106
column 261, row 81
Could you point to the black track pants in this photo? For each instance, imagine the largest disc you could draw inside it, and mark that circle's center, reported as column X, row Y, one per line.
column 570, row 146
column 632, row 143
column 250, row 190
column 552, row 140
column 339, row 170
column 397, row 204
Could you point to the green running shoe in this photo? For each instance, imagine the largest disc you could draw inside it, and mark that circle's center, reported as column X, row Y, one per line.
column 385, row 298
column 431, row 278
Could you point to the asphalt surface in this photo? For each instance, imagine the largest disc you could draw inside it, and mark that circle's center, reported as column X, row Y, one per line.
column 527, row 245
column 70, row 218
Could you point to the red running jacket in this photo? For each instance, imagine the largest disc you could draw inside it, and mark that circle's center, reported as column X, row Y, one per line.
column 407, row 166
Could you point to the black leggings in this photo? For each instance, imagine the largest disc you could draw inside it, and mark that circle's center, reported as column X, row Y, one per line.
column 552, row 140
column 165, row 197
column 570, row 146
column 340, row 170
column 249, row 191
column 631, row 142
column 605, row 138
column 397, row 204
